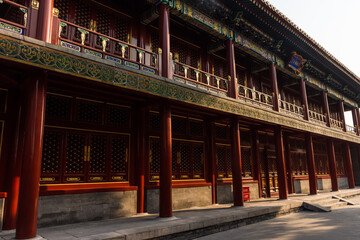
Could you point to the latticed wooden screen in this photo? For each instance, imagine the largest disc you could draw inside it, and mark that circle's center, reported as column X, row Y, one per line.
column 89, row 111
column 118, row 116
column 220, row 67
column 178, row 125
column 63, row 7
column 223, row 160
column 58, row 107
column 75, row 157
column 188, row 160
column 119, row 158
column 154, row 158
column 246, row 158
column 298, row 156
column 340, row 158
column 272, row 168
column 321, row 158
column 12, row 13
column 196, row 128
column 222, row 132
column 51, row 157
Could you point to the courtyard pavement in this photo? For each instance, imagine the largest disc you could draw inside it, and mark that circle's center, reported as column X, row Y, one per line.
column 217, row 218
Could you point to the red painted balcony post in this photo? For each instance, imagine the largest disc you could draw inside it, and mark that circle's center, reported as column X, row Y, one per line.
column 348, row 165
column 304, row 100
column 326, row 107
column 33, row 17
column 289, row 173
column 230, row 56
column 236, row 162
column 342, row 114
column 279, row 145
column 164, row 31
column 357, row 112
column 45, row 20
column 355, row 120
column 14, row 167
column 165, row 208
column 274, row 83
column 311, row 163
column 332, row 165
column 30, row 175
column 55, row 27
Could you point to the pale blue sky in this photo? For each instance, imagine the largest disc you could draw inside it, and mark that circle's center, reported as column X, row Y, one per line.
column 334, row 24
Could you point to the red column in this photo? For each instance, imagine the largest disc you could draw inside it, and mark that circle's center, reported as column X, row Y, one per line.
column 355, row 120
column 311, row 163
column 165, row 162
column 164, row 31
column 212, row 143
column 326, row 107
column 342, row 114
column 236, row 162
column 348, row 165
column 141, row 151
column 30, row 175
column 256, row 158
column 288, row 166
column 280, row 162
column 332, row 165
column 304, row 100
column 44, row 27
column 274, row 83
column 357, row 112
column 230, row 56
column 14, row 167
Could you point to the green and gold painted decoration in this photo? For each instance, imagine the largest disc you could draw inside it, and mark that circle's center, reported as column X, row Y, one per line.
column 15, row 50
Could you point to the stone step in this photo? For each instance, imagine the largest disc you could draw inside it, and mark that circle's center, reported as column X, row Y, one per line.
column 336, row 205
column 327, row 202
column 315, row 207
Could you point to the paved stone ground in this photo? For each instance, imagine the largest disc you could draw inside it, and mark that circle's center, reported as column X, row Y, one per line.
column 199, row 222
column 339, row 224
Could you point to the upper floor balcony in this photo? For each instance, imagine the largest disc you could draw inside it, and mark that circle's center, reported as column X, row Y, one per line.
column 197, row 59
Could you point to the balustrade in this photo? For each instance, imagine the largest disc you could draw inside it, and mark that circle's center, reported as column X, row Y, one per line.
column 317, row 117
column 255, row 97
column 291, row 108
column 350, row 129
column 16, row 17
column 337, row 124
column 87, row 41
column 197, row 78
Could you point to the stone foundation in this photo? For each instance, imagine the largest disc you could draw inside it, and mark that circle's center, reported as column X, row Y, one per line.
column 343, row 182
column 301, row 186
column 224, row 193
column 71, row 208
column 181, row 198
column 324, row 183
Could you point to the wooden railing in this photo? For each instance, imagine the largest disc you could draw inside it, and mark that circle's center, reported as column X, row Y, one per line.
column 291, row 108
column 337, row 124
column 317, row 117
column 197, row 78
column 255, row 97
column 17, row 27
column 350, row 129
column 99, row 45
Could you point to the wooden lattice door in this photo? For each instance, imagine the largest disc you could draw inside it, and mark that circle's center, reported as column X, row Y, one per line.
column 269, row 176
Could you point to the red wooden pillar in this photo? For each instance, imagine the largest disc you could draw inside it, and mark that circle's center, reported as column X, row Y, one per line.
column 236, row 162
column 256, row 158
column 33, row 14
column 348, row 165
column 280, row 162
column 288, row 165
column 164, row 31
column 212, row 143
column 274, row 83
column 342, row 114
column 332, row 165
column 326, row 107
column 44, row 27
column 165, row 209
column 141, row 151
column 358, row 155
column 355, row 120
column 357, row 112
column 230, row 56
column 30, row 175
column 304, row 100
column 14, row 167
column 311, row 163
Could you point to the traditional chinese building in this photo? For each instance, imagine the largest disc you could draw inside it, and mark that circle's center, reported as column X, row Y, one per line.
column 112, row 108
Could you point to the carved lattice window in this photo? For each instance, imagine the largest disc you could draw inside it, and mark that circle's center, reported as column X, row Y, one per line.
column 198, row 160
column 339, row 156
column 90, row 112
column 178, row 125
column 58, row 107
column 119, row 157
column 154, row 121
column 154, row 158
column 246, row 161
column 63, row 7
column 118, row 116
column 97, row 154
column 223, row 160
column 75, row 145
column 50, row 163
column 82, row 17
column 196, row 128
column 221, row 132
